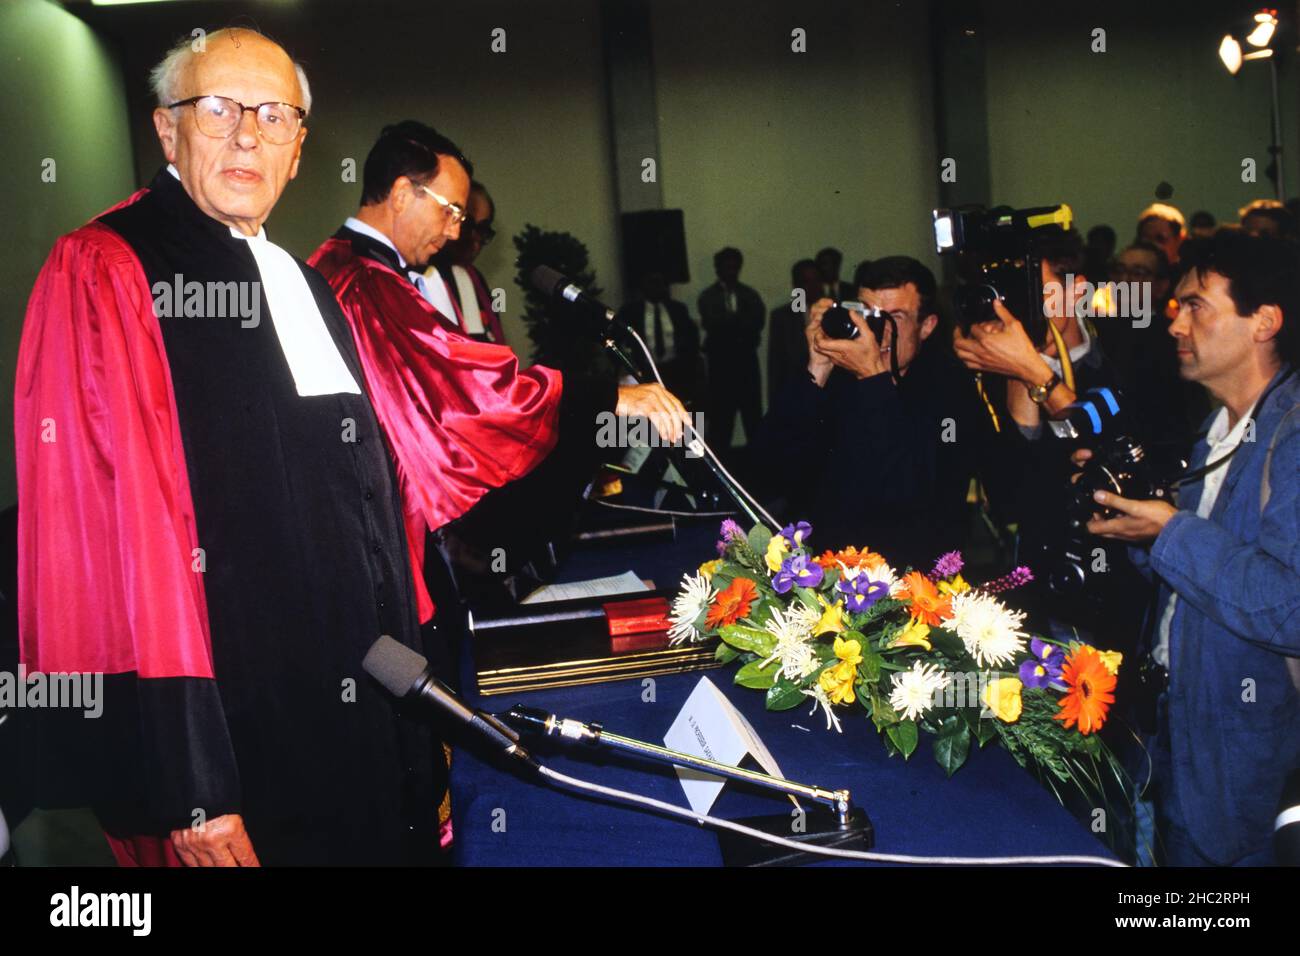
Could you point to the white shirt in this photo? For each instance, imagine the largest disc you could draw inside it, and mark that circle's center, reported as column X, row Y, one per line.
column 1221, row 440
column 468, row 294
column 356, row 225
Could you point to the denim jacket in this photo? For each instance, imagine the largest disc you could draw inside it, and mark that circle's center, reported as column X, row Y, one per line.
column 1234, row 641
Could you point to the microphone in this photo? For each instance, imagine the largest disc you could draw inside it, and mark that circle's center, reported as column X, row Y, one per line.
column 406, row 674
column 558, row 287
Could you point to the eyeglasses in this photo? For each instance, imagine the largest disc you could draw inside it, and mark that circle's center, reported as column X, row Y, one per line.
column 219, row 116
column 485, row 232
column 455, row 211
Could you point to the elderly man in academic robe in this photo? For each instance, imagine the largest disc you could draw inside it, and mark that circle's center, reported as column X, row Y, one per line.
column 208, row 512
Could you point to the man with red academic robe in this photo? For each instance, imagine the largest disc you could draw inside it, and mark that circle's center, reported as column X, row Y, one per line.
column 422, row 373
column 208, row 512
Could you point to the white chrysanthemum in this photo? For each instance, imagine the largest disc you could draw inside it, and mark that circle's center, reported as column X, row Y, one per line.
column 988, row 628
column 820, row 699
column 882, row 573
column 914, row 691
column 794, row 649
column 695, row 596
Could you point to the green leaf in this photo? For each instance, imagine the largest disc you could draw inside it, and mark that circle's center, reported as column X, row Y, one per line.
column 752, row 639
column 755, row 676
column 952, row 744
column 725, row 653
column 784, row 694
column 946, row 642
column 904, row 735
column 808, row 598
column 871, row 659
column 882, row 714
column 760, row 536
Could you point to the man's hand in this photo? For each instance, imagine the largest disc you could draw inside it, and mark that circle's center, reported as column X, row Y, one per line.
column 819, row 364
column 653, row 401
column 861, row 356
column 222, row 841
column 1002, row 347
column 1138, row 521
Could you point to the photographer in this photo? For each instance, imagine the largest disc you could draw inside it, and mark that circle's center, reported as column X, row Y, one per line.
column 1227, row 621
column 1035, row 389
column 875, row 460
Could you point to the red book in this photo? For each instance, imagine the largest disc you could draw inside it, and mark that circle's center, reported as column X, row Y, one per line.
column 637, row 617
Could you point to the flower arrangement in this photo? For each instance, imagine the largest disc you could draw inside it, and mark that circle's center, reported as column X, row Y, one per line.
column 917, row 651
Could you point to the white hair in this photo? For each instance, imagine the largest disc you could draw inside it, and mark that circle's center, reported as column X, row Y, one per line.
column 165, row 78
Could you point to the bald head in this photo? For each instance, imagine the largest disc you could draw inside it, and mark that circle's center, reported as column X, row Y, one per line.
column 235, row 178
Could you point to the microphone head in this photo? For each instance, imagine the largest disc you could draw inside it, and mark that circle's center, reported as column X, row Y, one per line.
column 394, row 665
column 547, row 280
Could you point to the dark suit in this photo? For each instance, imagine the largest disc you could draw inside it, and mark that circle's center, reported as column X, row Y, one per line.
column 683, row 372
column 731, row 347
column 787, row 349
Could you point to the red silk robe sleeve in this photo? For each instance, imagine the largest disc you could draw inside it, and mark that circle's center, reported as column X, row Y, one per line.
column 106, row 528
column 460, row 416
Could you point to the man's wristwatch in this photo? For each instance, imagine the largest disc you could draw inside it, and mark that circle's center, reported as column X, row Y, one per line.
column 1038, row 393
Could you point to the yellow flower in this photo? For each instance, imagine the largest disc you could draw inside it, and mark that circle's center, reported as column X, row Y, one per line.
column 837, row 682
column 915, row 634
column 776, row 548
column 832, row 619
column 1003, row 698
column 1111, row 660
column 955, row 585
column 708, row 567
column 849, row 652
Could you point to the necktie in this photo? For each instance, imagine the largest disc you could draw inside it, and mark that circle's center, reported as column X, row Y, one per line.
column 659, row 333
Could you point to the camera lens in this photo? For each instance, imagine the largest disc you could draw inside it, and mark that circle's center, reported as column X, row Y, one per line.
column 838, row 324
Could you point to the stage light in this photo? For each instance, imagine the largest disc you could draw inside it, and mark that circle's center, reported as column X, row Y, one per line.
column 1265, row 25
column 1230, row 53
column 1258, row 55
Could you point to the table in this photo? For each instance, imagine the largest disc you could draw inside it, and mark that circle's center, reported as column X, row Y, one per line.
column 989, row 807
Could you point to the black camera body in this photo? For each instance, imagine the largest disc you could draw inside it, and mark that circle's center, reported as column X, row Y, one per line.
column 999, row 256
column 1119, row 464
column 837, row 323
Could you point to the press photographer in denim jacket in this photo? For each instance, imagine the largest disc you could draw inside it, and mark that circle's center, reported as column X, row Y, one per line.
column 1227, row 559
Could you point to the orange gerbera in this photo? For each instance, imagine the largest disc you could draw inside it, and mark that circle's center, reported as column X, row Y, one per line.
column 732, row 604
column 927, row 605
column 1091, row 690
column 851, row 557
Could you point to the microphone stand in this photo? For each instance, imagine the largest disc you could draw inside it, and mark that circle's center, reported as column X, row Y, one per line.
column 694, row 440
column 848, row 827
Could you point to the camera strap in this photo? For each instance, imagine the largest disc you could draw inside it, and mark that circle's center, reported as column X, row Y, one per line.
column 1199, row 473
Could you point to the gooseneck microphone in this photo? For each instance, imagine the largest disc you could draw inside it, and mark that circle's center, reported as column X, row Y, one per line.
column 558, row 287
column 406, row 674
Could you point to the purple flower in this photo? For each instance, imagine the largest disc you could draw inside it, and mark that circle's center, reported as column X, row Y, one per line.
column 800, row 570
column 1045, row 668
column 1020, row 576
column 729, row 530
column 861, row 592
column 947, row 566
column 797, row 534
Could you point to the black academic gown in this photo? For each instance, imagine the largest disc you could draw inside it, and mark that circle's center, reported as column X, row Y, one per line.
column 306, row 566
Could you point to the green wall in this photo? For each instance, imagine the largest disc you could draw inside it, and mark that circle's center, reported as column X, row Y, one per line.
column 63, row 100
column 1102, row 130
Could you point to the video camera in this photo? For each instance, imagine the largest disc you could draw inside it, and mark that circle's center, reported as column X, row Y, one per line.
column 999, row 256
